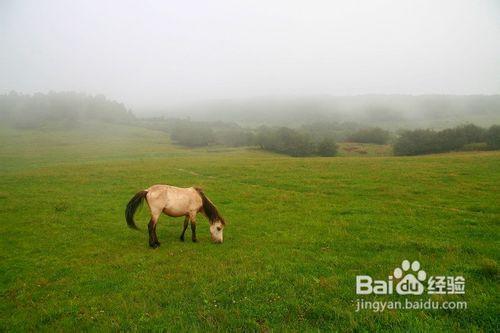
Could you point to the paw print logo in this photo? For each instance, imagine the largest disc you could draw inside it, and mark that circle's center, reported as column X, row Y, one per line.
column 410, row 283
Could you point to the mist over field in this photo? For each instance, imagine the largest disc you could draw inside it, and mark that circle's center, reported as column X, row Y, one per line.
column 154, row 55
column 388, row 111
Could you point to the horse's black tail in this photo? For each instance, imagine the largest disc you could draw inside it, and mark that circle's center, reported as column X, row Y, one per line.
column 132, row 206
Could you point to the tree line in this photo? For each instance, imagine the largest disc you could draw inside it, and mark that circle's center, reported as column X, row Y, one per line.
column 466, row 137
column 59, row 108
column 314, row 139
column 317, row 139
column 321, row 140
column 278, row 139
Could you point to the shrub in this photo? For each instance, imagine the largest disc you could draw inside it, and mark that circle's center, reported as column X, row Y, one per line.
column 293, row 142
column 285, row 140
column 456, row 138
column 459, row 138
column 492, row 137
column 370, row 135
column 416, row 142
column 192, row 135
column 327, row 147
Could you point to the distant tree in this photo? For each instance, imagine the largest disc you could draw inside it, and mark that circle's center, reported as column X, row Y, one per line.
column 292, row 142
column 192, row 134
column 370, row 135
column 455, row 138
column 416, row 142
column 265, row 137
column 235, row 137
column 66, row 109
column 320, row 130
column 492, row 137
column 451, row 139
column 327, row 147
column 472, row 133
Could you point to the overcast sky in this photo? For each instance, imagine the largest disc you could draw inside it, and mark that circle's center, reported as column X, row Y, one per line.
column 154, row 53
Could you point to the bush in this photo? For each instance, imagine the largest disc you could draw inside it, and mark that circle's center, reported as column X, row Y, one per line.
column 416, row 142
column 456, row 138
column 192, row 135
column 327, row 147
column 293, row 142
column 492, row 137
column 370, row 135
column 451, row 139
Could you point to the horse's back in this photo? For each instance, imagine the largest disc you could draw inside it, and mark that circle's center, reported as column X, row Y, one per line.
column 169, row 189
column 158, row 188
column 172, row 200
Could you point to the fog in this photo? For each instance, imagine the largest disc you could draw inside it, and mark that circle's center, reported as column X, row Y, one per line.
column 151, row 55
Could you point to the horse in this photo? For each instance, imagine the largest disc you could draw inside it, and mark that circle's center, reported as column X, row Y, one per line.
column 176, row 202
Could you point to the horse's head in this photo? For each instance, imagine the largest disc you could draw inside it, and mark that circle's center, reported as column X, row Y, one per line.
column 216, row 229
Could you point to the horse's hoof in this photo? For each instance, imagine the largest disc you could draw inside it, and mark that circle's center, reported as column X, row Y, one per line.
column 182, row 239
column 154, row 246
column 195, row 240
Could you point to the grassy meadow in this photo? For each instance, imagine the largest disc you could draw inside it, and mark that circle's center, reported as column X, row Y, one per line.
column 299, row 231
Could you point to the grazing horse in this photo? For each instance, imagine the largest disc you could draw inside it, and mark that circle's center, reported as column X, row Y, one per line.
column 176, row 202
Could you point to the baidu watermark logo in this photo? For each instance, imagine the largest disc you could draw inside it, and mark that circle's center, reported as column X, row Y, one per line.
column 409, row 279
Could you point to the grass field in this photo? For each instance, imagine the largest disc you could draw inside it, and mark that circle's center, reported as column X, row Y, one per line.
column 299, row 231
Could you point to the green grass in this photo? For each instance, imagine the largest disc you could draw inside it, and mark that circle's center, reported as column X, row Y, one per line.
column 299, row 231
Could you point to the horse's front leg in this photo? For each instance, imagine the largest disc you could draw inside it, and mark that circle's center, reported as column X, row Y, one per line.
column 192, row 218
column 186, row 223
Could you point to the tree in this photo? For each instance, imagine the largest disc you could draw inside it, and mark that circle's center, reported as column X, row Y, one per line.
column 192, row 134
column 59, row 109
column 370, row 135
column 293, row 142
column 327, row 147
column 416, row 142
column 451, row 139
column 492, row 137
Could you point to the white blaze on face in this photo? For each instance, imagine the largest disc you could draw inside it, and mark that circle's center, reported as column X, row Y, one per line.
column 216, row 230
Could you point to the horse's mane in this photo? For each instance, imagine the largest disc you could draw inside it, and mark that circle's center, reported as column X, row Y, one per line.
column 209, row 208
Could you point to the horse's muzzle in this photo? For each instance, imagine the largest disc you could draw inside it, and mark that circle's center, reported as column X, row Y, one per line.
column 216, row 241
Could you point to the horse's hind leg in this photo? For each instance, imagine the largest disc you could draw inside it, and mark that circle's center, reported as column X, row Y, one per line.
column 153, row 238
column 186, row 223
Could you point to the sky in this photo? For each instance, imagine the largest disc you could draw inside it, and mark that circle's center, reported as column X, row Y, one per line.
column 150, row 54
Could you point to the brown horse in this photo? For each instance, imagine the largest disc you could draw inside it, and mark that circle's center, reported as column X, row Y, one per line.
column 176, row 202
